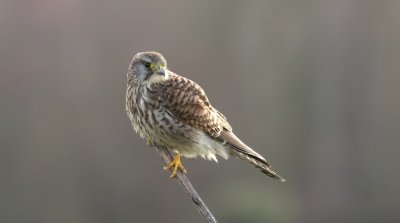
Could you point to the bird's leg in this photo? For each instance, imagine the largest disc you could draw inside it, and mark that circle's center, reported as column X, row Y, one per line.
column 175, row 164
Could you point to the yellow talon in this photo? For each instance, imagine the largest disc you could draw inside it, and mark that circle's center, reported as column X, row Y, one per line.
column 175, row 164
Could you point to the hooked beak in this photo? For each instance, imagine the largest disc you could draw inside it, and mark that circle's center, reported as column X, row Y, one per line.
column 161, row 71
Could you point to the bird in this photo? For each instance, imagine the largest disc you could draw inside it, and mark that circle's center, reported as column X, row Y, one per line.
column 172, row 111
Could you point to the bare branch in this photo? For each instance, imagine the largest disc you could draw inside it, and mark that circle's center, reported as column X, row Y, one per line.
column 184, row 181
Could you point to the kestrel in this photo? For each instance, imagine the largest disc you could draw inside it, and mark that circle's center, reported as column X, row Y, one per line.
column 172, row 111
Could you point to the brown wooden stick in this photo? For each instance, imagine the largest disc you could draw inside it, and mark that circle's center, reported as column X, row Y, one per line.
column 187, row 185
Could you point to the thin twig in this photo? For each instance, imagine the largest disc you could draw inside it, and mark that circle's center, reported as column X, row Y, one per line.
column 184, row 181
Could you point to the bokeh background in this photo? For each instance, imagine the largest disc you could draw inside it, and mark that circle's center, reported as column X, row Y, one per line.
column 312, row 85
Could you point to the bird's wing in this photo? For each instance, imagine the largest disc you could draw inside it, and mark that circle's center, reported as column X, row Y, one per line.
column 239, row 147
column 188, row 103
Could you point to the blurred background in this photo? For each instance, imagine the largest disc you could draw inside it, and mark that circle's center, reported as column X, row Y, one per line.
column 312, row 85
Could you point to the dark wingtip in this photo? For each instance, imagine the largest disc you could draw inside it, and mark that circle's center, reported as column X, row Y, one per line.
column 277, row 177
column 273, row 175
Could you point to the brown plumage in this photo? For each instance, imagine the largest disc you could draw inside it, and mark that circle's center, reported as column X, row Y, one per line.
column 172, row 111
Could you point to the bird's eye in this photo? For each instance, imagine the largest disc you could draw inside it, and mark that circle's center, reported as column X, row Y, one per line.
column 147, row 65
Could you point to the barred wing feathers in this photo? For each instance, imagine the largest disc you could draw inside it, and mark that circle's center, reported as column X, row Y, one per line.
column 188, row 103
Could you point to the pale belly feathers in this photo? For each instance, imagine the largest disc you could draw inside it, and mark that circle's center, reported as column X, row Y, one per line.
column 162, row 129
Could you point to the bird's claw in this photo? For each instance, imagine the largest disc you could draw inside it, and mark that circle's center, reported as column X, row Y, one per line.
column 175, row 164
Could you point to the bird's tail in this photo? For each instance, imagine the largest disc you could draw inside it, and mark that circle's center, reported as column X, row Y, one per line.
column 241, row 150
column 260, row 164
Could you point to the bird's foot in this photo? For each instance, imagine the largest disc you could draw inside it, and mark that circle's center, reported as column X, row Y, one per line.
column 175, row 164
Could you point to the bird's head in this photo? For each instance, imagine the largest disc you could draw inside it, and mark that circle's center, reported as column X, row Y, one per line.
column 148, row 67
